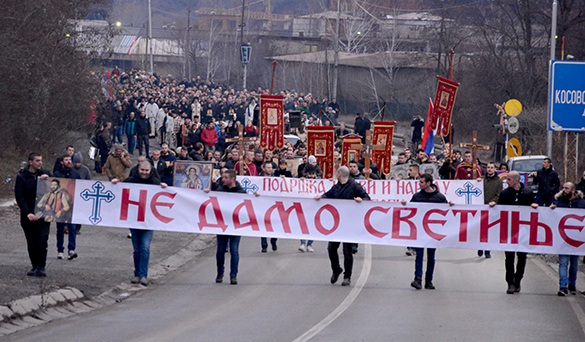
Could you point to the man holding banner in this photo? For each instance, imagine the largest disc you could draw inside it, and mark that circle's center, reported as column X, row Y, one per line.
column 345, row 188
column 141, row 238
column 515, row 194
column 229, row 184
column 428, row 193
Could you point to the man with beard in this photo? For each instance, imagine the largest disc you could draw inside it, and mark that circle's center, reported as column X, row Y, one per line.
column 568, row 197
column 36, row 230
column 66, row 172
column 492, row 187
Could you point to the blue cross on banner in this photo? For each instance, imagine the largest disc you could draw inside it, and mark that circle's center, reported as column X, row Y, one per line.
column 98, row 196
column 249, row 186
column 468, row 190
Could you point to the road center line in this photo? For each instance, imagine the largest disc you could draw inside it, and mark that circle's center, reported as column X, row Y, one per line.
column 365, row 273
column 572, row 300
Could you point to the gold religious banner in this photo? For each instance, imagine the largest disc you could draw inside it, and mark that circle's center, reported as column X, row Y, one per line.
column 320, row 143
column 382, row 141
column 271, row 122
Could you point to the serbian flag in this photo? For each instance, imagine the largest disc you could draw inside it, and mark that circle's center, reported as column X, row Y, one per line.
column 428, row 140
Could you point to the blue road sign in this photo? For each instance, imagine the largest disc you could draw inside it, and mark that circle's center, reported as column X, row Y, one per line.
column 567, row 96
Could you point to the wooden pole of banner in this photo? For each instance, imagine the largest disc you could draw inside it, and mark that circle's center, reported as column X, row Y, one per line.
column 474, row 147
column 273, row 72
column 240, row 140
column 451, row 53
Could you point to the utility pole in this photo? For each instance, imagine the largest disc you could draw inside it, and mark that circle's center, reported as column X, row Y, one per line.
column 244, row 65
column 336, row 54
column 150, row 37
column 187, row 46
column 553, row 43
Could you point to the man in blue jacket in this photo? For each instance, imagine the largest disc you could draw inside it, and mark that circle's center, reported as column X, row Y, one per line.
column 569, row 197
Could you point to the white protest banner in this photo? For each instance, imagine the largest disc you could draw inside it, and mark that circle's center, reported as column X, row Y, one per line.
column 504, row 228
column 456, row 191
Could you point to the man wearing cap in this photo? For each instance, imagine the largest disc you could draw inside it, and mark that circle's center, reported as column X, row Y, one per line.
column 345, row 188
column 78, row 166
column 310, row 161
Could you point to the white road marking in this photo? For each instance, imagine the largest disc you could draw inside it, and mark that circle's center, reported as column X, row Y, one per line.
column 367, row 266
column 572, row 299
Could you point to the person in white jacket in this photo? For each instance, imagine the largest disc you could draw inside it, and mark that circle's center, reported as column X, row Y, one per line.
column 250, row 111
column 160, row 124
column 151, row 110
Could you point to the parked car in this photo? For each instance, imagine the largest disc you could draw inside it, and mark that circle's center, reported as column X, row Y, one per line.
column 527, row 164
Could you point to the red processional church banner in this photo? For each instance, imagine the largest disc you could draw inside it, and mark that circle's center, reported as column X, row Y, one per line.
column 383, row 133
column 271, row 122
column 320, row 143
column 444, row 102
column 351, row 149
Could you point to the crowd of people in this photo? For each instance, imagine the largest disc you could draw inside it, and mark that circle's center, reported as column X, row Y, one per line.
column 200, row 121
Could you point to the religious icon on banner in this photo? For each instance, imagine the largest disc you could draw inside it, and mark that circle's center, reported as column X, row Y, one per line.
column 193, row 175
column 444, row 99
column 431, row 169
column 272, row 116
column 54, row 201
column 292, row 165
column 320, row 147
column 399, row 171
column 381, row 139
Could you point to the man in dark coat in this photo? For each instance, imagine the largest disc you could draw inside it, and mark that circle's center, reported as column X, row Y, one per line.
column 142, row 132
column 229, row 184
column 345, row 188
column 36, row 230
column 429, row 193
column 548, row 183
column 515, row 194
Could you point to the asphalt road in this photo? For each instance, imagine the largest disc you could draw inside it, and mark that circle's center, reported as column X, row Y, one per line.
column 286, row 296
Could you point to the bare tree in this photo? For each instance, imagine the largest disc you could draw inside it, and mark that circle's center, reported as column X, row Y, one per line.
column 46, row 72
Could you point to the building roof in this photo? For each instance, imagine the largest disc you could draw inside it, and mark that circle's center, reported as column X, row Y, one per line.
column 400, row 59
column 330, row 15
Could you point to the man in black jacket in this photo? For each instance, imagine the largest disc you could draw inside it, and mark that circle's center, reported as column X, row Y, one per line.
column 428, row 194
column 36, row 230
column 229, row 184
column 142, row 132
column 345, row 188
column 515, row 194
column 548, row 183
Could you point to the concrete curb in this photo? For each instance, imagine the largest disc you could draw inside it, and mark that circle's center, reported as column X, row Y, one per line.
column 35, row 310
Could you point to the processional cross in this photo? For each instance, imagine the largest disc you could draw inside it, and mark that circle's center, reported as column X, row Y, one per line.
column 474, row 147
column 367, row 148
column 240, row 140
